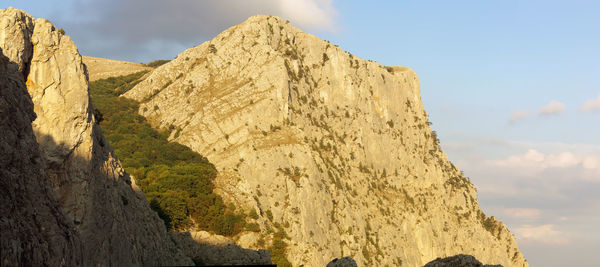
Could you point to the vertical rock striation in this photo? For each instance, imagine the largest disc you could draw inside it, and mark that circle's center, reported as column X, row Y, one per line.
column 116, row 225
column 336, row 150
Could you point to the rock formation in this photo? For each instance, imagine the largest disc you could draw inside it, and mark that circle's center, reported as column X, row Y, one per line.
column 34, row 229
column 460, row 260
column 343, row 262
column 115, row 223
column 335, row 149
column 212, row 249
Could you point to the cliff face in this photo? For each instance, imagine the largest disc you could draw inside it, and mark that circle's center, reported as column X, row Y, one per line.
column 336, row 149
column 35, row 230
column 112, row 217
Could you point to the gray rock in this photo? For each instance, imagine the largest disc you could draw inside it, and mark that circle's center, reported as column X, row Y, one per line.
column 342, row 262
column 460, row 260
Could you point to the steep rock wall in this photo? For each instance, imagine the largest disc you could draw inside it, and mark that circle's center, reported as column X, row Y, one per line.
column 336, row 149
column 34, row 229
column 115, row 223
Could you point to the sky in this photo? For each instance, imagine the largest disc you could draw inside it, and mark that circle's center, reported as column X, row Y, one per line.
column 512, row 87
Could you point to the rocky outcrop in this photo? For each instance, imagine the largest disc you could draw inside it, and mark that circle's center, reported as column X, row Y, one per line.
column 115, row 224
column 34, row 229
column 343, row 262
column 102, row 68
column 210, row 249
column 336, row 150
column 460, row 260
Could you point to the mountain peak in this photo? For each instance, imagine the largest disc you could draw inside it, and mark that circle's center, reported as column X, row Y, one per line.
column 336, row 147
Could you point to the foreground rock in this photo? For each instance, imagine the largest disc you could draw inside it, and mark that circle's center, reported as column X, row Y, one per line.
column 460, row 260
column 210, row 249
column 335, row 149
column 116, row 226
column 343, row 262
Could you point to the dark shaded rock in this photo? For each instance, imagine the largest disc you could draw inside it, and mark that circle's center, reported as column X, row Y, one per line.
column 342, row 262
column 460, row 260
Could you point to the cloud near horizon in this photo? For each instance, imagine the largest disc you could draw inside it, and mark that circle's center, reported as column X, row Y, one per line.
column 591, row 104
column 533, row 163
column 518, row 115
column 143, row 30
column 553, row 108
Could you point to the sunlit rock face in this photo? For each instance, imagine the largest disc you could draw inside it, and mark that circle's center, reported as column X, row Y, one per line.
column 335, row 149
column 115, row 224
column 34, row 229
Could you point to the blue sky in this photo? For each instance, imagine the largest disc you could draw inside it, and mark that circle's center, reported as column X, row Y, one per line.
column 479, row 63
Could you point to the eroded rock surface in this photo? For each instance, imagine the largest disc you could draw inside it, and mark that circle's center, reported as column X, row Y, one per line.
column 116, row 225
column 34, row 229
column 335, row 149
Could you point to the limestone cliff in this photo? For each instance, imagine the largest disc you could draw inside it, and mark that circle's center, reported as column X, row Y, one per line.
column 336, row 149
column 34, row 229
column 113, row 219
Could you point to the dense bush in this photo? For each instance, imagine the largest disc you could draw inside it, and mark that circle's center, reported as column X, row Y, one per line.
column 176, row 180
column 157, row 63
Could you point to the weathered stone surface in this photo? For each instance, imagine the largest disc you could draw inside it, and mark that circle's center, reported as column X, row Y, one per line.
column 116, row 225
column 210, row 249
column 460, row 260
column 343, row 262
column 102, row 68
column 15, row 38
column 336, row 149
column 34, row 229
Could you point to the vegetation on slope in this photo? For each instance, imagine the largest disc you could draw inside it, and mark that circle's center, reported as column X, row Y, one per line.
column 157, row 63
column 176, row 180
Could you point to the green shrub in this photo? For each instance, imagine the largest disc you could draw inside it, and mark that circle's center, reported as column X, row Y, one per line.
column 325, row 58
column 157, row 63
column 253, row 227
column 212, row 48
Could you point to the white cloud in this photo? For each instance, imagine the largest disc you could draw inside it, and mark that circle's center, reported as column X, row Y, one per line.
column 540, row 234
column 553, row 108
column 311, row 14
column 522, row 213
column 591, row 104
column 517, row 115
column 533, row 162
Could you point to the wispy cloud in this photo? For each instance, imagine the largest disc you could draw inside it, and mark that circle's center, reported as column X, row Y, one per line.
column 522, row 213
column 518, row 115
column 553, row 108
column 591, row 104
column 541, row 233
